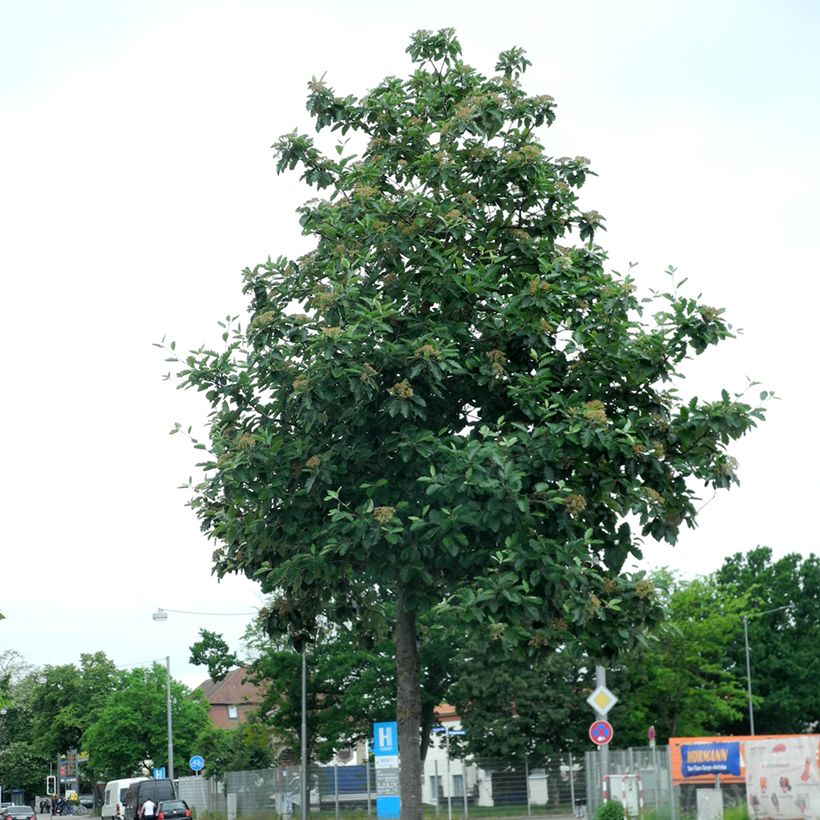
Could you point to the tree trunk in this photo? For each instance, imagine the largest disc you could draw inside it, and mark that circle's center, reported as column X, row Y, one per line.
column 408, row 707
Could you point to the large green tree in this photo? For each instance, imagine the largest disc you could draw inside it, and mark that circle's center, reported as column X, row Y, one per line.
column 21, row 764
column 132, row 725
column 450, row 398
column 67, row 700
column 351, row 681
column 22, row 768
column 784, row 656
column 351, row 684
column 249, row 746
column 682, row 680
column 512, row 708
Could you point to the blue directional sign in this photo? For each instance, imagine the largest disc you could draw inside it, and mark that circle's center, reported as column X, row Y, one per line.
column 386, row 754
column 197, row 763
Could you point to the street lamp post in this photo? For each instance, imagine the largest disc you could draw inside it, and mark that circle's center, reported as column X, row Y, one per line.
column 748, row 658
column 748, row 676
column 170, row 725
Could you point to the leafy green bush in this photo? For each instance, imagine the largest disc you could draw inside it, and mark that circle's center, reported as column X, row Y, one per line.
column 738, row 812
column 611, row 810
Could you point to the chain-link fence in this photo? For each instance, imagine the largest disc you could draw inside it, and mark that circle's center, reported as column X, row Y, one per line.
column 451, row 787
column 561, row 786
column 639, row 778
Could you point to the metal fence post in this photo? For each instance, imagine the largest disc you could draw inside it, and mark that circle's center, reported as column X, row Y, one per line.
column 672, row 806
column 449, row 780
column 527, row 781
column 336, row 788
column 437, row 782
column 572, row 785
column 464, row 786
column 367, row 775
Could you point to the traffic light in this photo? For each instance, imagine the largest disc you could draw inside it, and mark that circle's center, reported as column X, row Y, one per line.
column 51, row 785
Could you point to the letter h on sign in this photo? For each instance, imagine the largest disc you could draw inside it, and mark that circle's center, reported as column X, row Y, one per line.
column 386, row 737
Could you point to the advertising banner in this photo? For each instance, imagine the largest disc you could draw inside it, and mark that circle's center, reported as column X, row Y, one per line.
column 710, row 758
column 783, row 778
column 699, row 760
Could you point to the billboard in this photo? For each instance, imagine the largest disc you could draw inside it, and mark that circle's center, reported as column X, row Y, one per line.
column 783, row 778
column 701, row 759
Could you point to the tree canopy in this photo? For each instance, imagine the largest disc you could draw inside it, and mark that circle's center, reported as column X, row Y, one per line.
column 784, row 660
column 132, row 724
column 449, row 401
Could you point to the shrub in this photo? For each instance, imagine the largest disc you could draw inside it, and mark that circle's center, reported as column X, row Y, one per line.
column 611, row 810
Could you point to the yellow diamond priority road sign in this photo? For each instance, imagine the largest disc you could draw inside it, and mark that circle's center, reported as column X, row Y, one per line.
column 602, row 700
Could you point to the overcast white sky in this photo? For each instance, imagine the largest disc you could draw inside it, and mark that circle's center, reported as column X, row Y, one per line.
column 136, row 181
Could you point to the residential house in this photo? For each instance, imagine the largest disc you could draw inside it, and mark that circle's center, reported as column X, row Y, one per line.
column 231, row 699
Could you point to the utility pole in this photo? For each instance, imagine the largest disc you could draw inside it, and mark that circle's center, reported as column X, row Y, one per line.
column 748, row 661
column 169, row 721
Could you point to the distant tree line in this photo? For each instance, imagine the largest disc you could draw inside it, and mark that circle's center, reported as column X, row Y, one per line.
column 685, row 677
column 116, row 718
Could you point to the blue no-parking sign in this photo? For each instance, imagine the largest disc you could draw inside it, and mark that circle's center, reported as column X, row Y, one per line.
column 600, row 732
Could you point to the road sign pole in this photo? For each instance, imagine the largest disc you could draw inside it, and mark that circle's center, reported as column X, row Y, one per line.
column 603, row 749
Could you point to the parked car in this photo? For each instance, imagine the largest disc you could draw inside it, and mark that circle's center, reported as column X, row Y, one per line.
column 138, row 793
column 113, row 807
column 167, row 809
column 19, row 813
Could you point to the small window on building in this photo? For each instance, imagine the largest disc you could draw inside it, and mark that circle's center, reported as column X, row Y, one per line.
column 435, row 786
column 458, row 785
column 233, row 712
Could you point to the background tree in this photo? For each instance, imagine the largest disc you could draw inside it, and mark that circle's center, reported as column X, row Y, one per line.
column 783, row 645
column 450, row 398
column 212, row 651
column 21, row 768
column 351, row 681
column 513, row 708
column 682, row 680
column 64, row 701
column 132, row 726
column 350, row 685
column 245, row 748
column 20, row 764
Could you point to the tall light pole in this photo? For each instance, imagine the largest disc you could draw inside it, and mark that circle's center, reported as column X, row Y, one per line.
column 162, row 615
column 748, row 660
column 748, row 676
column 170, row 724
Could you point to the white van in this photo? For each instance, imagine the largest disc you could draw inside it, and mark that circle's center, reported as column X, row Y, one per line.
column 113, row 807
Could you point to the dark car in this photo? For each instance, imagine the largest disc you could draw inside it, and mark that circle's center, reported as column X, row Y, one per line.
column 155, row 790
column 172, row 808
column 18, row 813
